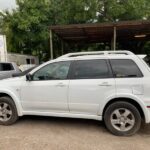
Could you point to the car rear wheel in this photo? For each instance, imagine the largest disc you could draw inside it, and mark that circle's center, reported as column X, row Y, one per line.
column 122, row 119
column 8, row 112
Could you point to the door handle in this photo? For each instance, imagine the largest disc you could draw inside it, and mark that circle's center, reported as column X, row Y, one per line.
column 104, row 84
column 60, row 84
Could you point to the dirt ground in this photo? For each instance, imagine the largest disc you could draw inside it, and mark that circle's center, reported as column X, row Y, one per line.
column 48, row 133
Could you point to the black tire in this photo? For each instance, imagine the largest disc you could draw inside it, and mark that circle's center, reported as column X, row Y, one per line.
column 12, row 107
column 127, row 106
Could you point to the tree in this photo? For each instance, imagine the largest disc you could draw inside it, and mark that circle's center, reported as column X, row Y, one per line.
column 118, row 10
column 25, row 27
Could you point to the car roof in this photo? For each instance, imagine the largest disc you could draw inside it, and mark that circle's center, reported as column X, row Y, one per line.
column 5, row 62
column 92, row 55
column 97, row 55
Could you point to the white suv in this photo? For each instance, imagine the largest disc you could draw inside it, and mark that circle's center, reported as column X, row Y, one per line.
column 110, row 86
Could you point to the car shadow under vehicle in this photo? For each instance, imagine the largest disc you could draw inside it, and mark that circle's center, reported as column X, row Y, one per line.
column 79, row 124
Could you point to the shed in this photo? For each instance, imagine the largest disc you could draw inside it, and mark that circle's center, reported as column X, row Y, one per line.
column 101, row 32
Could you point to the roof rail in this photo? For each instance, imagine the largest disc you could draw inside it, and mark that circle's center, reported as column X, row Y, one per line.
column 122, row 52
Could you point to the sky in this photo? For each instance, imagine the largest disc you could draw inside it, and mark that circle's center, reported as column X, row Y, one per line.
column 7, row 4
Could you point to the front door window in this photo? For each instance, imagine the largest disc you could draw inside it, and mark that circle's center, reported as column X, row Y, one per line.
column 53, row 71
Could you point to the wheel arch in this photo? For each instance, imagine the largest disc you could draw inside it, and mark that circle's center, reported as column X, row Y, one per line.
column 129, row 100
column 14, row 99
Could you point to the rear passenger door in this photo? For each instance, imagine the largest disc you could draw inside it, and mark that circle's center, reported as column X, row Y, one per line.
column 91, row 83
column 128, row 76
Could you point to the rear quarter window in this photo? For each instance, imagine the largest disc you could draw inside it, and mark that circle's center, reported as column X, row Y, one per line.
column 125, row 68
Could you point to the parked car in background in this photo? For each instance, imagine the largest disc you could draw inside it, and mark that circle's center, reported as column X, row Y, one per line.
column 7, row 69
column 23, row 73
column 25, row 67
column 112, row 86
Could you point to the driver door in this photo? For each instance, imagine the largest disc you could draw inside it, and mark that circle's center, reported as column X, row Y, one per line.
column 48, row 90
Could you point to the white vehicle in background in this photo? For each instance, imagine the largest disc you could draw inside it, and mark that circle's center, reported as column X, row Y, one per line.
column 113, row 86
column 7, row 69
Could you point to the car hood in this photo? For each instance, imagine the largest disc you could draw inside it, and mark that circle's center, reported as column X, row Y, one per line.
column 11, row 82
column 11, row 79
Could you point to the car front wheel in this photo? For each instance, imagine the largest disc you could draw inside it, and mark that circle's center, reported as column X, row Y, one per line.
column 8, row 112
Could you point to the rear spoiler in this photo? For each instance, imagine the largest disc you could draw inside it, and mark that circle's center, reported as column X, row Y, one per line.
column 142, row 56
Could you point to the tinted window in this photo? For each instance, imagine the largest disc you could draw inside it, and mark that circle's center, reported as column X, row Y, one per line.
column 6, row 67
column 125, row 68
column 90, row 69
column 54, row 71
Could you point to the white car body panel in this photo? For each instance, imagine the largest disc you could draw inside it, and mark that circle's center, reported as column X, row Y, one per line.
column 45, row 96
column 85, row 96
column 78, row 98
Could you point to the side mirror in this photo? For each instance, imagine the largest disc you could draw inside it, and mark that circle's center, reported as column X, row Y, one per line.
column 29, row 77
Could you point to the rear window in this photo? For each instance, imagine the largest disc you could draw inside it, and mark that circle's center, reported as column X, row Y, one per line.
column 6, row 67
column 125, row 68
column 90, row 69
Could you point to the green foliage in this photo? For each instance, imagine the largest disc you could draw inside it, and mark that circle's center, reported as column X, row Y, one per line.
column 26, row 27
column 115, row 10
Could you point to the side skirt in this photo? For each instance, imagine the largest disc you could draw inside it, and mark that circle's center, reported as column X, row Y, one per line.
column 67, row 115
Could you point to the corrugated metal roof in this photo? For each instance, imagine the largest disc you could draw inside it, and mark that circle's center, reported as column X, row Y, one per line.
column 103, row 32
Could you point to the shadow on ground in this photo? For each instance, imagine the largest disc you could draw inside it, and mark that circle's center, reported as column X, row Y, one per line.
column 52, row 133
column 73, row 122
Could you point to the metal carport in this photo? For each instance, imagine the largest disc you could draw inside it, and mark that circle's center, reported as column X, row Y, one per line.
column 101, row 32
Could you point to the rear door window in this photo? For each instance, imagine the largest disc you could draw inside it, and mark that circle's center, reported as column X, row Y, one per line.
column 125, row 68
column 90, row 69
